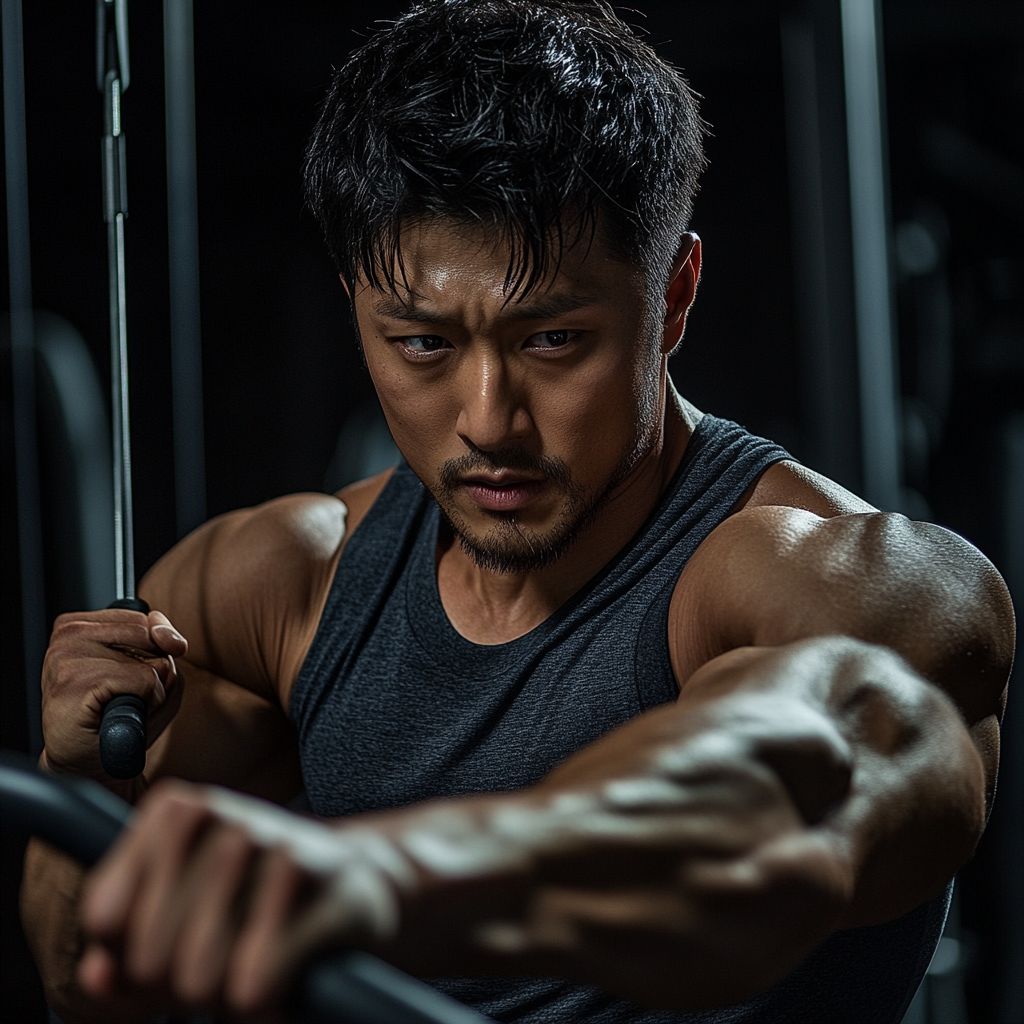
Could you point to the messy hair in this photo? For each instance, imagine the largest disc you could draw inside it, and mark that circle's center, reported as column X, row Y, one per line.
column 531, row 118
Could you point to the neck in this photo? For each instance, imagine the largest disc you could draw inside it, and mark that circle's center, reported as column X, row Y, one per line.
column 490, row 608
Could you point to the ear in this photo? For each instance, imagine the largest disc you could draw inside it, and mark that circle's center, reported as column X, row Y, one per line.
column 680, row 291
column 344, row 284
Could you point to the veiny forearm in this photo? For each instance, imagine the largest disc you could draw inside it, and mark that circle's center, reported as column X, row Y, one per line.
column 697, row 854
column 49, row 899
column 689, row 859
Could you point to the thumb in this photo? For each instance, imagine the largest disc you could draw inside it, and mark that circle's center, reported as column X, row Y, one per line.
column 165, row 636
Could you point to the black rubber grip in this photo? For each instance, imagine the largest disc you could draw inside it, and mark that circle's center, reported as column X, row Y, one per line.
column 123, row 726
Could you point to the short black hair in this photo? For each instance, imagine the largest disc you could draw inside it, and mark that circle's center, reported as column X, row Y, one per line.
column 531, row 117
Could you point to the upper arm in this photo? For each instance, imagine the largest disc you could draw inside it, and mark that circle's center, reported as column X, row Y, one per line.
column 246, row 589
column 773, row 575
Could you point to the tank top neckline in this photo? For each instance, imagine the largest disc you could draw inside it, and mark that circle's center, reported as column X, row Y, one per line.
column 441, row 641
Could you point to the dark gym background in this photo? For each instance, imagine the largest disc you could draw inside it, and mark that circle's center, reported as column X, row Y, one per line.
column 282, row 375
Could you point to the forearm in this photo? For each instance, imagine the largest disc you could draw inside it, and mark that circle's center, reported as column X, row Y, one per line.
column 50, row 893
column 689, row 859
column 223, row 734
column 49, row 899
column 698, row 853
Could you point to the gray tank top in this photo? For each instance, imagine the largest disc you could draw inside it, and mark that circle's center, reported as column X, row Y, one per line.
column 393, row 706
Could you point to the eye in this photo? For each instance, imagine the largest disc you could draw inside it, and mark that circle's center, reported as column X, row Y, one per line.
column 422, row 344
column 552, row 339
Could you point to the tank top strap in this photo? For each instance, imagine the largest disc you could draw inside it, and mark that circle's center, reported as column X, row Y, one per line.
column 367, row 572
column 721, row 462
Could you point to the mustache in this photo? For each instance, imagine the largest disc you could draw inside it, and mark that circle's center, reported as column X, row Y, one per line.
column 517, row 459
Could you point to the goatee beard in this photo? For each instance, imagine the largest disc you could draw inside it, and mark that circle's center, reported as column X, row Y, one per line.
column 509, row 547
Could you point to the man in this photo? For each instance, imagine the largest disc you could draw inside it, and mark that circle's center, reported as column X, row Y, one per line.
column 621, row 712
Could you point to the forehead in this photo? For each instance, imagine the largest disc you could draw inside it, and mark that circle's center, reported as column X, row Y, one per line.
column 444, row 262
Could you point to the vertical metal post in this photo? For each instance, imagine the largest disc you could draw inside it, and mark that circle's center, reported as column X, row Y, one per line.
column 112, row 40
column 872, row 279
column 183, row 243
column 811, row 44
column 26, row 457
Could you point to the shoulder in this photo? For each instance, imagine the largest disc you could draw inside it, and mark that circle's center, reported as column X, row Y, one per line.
column 820, row 561
column 241, row 550
column 792, row 485
column 247, row 588
column 359, row 497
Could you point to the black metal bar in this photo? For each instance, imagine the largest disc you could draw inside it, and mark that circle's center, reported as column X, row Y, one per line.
column 122, row 733
column 75, row 815
column 112, row 29
column 26, row 454
column 819, row 205
column 83, row 819
column 183, row 246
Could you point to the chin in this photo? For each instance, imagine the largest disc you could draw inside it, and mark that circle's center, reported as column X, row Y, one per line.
column 508, row 547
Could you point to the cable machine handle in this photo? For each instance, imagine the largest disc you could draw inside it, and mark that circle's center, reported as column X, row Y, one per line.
column 123, row 725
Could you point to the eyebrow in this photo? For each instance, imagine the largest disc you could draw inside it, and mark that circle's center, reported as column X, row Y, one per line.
column 394, row 308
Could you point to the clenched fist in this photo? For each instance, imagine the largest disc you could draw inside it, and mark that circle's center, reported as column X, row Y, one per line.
column 213, row 899
column 93, row 657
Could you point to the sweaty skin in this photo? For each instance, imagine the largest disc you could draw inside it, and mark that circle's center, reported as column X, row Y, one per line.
column 829, row 763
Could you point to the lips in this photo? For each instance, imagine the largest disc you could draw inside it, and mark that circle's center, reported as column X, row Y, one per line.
column 507, row 495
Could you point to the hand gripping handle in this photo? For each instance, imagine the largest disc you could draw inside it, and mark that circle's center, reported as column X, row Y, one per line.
column 123, row 726
column 83, row 819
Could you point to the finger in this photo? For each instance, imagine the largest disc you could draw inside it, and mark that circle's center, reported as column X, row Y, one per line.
column 104, row 680
column 110, row 888
column 165, row 636
column 164, row 824
column 100, row 615
column 258, row 969
column 211, row 922
column 160, row 904
column 128, row 629
column 97, row 972
column 99, row 976
column 161, row 714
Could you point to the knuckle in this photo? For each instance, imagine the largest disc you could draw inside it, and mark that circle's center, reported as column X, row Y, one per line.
column 67, row 674
column 138, row 636
column 61, row 623
column 230, row 844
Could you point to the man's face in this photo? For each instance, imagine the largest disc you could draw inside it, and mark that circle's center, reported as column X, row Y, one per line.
column 520, row 416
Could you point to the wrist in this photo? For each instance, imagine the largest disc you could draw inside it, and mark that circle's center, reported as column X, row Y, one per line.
column 131, row 790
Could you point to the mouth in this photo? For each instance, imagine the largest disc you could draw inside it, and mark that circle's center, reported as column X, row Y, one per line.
column 503, row 491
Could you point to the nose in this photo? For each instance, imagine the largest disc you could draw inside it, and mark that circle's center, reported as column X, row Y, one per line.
column 491, row 414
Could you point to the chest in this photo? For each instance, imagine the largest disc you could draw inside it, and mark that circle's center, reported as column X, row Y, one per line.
column 414, row 711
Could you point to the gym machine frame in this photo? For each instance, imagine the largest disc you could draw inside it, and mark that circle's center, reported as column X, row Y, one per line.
column 122, row 734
